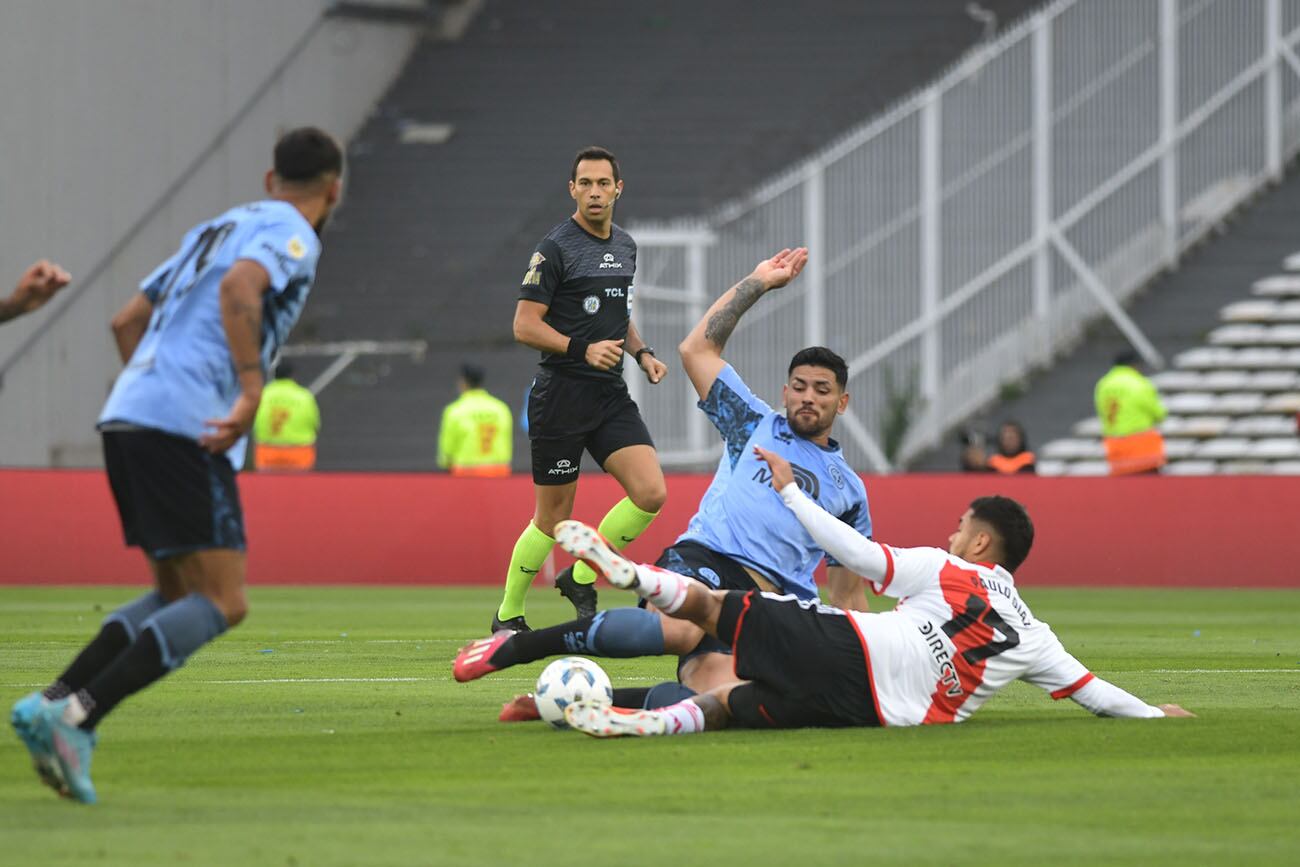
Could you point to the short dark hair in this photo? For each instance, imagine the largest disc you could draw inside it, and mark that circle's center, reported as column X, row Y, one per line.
column 594, row 152
column 284, row 369
column 820, row 356
column 1128, row 358
column 472, row 374
column 306, row 154
column 1011, row 523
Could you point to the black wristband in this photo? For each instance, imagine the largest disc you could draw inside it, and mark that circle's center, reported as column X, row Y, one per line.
column 577, row 349
column 642, row 351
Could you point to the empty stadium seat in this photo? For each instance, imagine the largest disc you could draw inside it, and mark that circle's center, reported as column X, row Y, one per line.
column 1088, row 468
column 1191, row 468
column 1223, row 448
column 1278, row 286
column 1074, row 449
column 1256, row 335
column 1263, row 310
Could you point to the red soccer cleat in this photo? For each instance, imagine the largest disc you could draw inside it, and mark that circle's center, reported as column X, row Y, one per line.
column 521, row 708
column 473, row 660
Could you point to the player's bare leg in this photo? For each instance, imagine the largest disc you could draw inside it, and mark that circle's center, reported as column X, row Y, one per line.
column 636, row 468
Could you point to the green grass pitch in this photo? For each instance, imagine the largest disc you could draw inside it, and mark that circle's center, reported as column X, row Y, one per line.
column 327, row 730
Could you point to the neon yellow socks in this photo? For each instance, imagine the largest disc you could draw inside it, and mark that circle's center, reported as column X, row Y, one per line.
column 525, row 562
column 620, row 527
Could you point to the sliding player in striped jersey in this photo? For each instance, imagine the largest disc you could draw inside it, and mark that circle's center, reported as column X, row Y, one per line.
column 959, row 634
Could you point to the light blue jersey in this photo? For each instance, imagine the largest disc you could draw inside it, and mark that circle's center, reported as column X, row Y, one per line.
column 742, row 517
column 181, row 375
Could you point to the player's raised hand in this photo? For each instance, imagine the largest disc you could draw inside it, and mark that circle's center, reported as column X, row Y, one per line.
column 1174, row 710
column 37, row 285
column 604, row 354
column 782, row 268
column 782, row 475
column 655, row 370
column 227, row 431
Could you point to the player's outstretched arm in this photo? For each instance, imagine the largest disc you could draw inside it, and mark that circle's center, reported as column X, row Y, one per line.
column 532, row 330
column 241, row 316
column 845, row 544
column 1106, row 699
column 701, row 351
column 36, row 286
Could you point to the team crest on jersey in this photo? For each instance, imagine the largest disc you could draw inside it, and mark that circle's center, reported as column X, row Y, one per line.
column 297, row 249
column 591, row 304
column 836, row 476
column 533, row 277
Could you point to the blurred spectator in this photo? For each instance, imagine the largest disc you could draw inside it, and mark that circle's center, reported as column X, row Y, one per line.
column 286, row 426
column 972, row 458
column 36, row 286
column 1130, row 411
column 1013, row 454
column 475, row 438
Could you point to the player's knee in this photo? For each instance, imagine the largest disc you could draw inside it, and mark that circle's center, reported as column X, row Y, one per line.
column 650, row 498
column 234, row 607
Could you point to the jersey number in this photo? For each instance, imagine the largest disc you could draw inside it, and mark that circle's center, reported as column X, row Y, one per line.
column 208, row 242
column 486, row 434
column 979, row 611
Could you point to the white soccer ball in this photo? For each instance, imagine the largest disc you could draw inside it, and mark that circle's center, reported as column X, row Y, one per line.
column 567, row 680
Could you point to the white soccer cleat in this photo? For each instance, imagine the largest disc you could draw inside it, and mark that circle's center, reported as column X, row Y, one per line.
column 606, row 721
column 587, row 545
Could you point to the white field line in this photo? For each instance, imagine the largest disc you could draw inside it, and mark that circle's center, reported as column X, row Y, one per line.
column 283, row 680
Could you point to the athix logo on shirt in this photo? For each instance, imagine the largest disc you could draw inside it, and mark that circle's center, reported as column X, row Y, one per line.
column 563, row 467
column 608, row 262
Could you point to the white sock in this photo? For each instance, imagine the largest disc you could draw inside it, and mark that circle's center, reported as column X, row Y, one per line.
column 663, row 589
column 684, row 718
column 75, row 712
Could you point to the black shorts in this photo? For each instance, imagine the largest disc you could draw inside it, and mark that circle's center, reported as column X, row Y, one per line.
column 804, row 660
column 708, row 567
column 567, row 414
column 173, row 496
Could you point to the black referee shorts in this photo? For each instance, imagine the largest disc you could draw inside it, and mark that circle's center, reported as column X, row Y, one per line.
column 569, row 414
column 173, row 496
column 805, row 663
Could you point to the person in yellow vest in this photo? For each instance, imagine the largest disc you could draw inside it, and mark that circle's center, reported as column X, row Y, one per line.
column 286, row 425
column 1013, row 455
column 1130, row 411
column 475, row 437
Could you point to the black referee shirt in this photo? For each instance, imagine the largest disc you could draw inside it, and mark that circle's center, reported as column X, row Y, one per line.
column 586, row 282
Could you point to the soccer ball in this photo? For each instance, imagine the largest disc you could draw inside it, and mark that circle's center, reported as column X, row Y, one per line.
column 567, row 680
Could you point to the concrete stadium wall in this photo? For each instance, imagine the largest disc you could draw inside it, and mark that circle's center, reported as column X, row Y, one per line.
column 61, row 527
column 105, row 111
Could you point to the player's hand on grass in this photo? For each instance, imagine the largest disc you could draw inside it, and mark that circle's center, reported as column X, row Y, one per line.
column 227, row 431
column 781, row 268
column 604, row 354
column 655, row 370
column 782, row 475
column 1174, row 710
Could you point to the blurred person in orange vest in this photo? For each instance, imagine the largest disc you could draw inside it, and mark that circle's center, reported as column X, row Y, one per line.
column 286, row 426
column 1013, row 454
column 475, row 437
column 1130, row 411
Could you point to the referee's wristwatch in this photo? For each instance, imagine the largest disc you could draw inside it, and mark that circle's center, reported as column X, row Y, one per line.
column 642, row 351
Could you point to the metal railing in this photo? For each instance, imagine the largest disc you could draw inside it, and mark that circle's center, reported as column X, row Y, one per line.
column 971, row 233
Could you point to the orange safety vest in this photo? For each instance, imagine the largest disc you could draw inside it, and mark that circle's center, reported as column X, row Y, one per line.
column 1009, row 466
column 1135, row 453
column 267, row 457
column 482, row 471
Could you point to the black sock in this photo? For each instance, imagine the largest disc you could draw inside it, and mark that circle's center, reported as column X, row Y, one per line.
column 524, row 647
column 131, row 672
column 631, row 696
column 94, row 658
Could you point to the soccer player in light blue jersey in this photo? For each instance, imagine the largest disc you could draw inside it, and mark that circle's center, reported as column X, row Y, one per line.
column 742, row 537
column 197, row 341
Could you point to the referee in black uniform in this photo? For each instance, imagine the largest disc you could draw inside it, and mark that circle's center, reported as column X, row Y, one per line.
column 575, row 306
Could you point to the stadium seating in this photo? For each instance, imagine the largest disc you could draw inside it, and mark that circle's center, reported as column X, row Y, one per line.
column 1232, row 403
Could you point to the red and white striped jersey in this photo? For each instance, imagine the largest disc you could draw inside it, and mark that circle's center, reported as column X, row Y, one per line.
column 959, row 634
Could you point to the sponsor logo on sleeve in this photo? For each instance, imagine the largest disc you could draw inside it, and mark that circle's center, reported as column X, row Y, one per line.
column 533, row 276
column 297, row 249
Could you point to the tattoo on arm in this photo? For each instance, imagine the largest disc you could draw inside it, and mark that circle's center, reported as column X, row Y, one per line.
column 722, row 323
